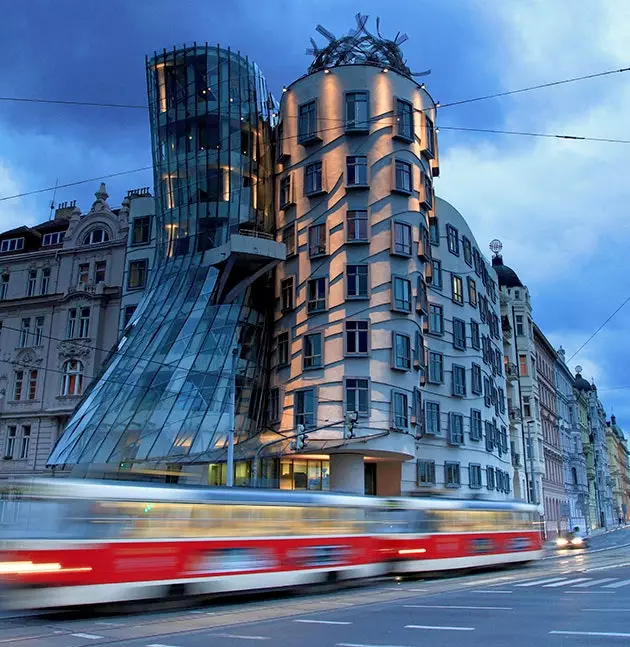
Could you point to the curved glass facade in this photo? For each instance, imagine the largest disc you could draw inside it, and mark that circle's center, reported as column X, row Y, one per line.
column 187, row 369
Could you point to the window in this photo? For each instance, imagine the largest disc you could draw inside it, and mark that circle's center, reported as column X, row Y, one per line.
column 45, row 281
column 53, row 238
column 84, row 273
column 72, row 380
column 436, row 367
column 522, row 365
column 356, row 168
column 434, row 230
column 459, row 334
column 401, row 347
column 317, row 240
column 39, row 331
column 32, row 385
column 456, row 429
column 436, row 274
column 452, row 476
column 26, row 441
column 401, row 239
column 137, row 274
column 357, row 281
column 25, row 328
column 468, row 258
column 129, row 310
column 501, row 398
column 402, row 294
column 472, row 292
column 357, row 337
column 18, row 386
column 99, row 271
column 474, row 475
column 436, row 319
column 287, row 294
column 283, row 348
column 432, row 414
column 285, row 192
column 307, row 122
column 426, row 472
column 400, row 410
column 430, row 135
column 288, row 238
column 31, row 283
column 357, row 226
column 489, row 435
column 490, row 477
column 527, row 407
column 12, row 245
column 84, row 323
column 422, row 300
column 312, row 352
column 476, row 432
column 459, row 380
column 519, row 325
column 404, row 119
column 487, row 391
column 357, row 395
column 316, row 295
column 452, row 238
column 273, row 411
column 476, row 383
column 304, row 407
column 9, row 448
column 428, row 191
column 403, row 176
column 313, row 178
column 72, row 323
column 141, row 231
column 95, row 237
column 457, row 289
column 4, row 286
column 357, row 111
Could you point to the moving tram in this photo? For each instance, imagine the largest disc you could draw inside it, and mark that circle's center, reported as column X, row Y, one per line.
column 66, row 543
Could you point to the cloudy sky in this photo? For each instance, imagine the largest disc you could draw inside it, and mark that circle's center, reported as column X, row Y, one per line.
column 559, row 207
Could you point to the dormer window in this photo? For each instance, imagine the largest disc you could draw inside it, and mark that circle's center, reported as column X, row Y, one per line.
column 53, row 238
column 12, row 245
column 95, row 237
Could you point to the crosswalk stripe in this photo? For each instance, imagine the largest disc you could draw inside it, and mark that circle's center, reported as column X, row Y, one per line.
column 568, row 583
column 596, row 582
column 617, row 585
column 537, row 582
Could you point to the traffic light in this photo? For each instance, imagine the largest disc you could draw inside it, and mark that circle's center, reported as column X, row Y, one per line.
column 301, row 439
column 350, row 421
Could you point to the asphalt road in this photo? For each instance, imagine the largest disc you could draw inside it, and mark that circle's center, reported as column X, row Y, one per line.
column 572, row 598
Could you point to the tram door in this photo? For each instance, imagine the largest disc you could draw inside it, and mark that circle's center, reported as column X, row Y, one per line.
column 370, row 478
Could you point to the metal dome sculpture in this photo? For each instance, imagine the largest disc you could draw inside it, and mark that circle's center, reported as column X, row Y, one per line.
column 360, row 47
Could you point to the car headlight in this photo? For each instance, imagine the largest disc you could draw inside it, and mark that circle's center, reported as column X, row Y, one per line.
column 561, row 541
column 577, row 541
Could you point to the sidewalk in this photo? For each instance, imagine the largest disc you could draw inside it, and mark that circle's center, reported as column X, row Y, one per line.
column 605, row 531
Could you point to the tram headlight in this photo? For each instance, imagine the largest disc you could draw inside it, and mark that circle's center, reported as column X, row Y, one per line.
column 562, row 541
column 577, row 541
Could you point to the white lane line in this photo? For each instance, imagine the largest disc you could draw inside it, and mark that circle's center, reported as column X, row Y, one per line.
column 607, row 634
column 87, row 636
column 159, row 645
column 418, row 590
column 239, row 636
column 537, row 582
column 570, row 583
column 439, row 628
column 109, row 624
column 617, row 585
column 445, row 606
column 494, row 591
column 609, row 610
column 323, row 622
column 364, row 645
column 586, row 592
column 595, row 582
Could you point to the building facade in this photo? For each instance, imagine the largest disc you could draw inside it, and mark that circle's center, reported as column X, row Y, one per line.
column 618, row 458
column 60, row 301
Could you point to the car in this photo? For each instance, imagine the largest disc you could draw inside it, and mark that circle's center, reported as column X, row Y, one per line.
column 572, row 539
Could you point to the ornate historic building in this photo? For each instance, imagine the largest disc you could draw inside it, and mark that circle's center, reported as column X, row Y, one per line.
column 60, row 294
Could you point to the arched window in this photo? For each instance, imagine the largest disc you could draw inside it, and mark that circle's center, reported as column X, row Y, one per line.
column 95, row 237
column 574, row 476
column 72, row 383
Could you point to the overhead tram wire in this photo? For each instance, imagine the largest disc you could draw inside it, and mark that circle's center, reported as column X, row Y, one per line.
column 530, row 134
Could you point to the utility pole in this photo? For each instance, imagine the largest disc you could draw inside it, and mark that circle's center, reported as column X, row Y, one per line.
column 229, row 478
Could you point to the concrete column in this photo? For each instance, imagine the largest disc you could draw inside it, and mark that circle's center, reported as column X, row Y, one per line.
column 347, row 473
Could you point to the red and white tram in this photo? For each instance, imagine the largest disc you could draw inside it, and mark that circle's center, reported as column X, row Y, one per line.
column 66, row 543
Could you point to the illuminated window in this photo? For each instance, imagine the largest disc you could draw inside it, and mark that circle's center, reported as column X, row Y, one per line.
column 357, row 111
column 523, row 366
column 72, row 381
column 458, row 289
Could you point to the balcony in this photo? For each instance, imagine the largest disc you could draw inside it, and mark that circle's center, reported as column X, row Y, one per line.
column 516, row 460
column 514, row 414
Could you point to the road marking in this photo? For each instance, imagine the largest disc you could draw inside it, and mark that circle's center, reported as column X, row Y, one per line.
column 537, row 582
column 608, row 609
column 586, row 592
column 571, row 583
column 159, row 645
column 88, row 636
column 595, row 582
column 238, row 636
column 364, row 645
column 439, row 628
column 323, row 622
column 445, row 606
column 418, row 590
column 608, row 634
column 617, row 585
column 109, row 624
column 495, row 591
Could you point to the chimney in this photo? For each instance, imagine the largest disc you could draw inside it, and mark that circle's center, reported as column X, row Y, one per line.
column 65, row 210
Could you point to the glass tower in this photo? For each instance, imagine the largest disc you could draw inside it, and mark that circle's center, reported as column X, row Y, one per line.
column 187, row 368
